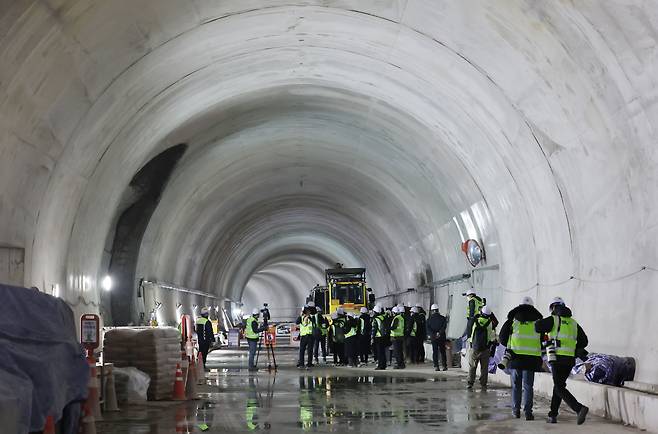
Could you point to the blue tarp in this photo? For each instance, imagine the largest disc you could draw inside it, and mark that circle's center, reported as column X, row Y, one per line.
column 42, row 365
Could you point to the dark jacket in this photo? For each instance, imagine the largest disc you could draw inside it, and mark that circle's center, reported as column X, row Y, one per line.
column 205, row 333
column 421, row 325
column 524, row 313
column 367, row 325
column 546, row 325
column 436, row 326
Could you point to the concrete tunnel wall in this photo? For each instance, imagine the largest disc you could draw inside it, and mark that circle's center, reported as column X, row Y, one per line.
column 377, row 132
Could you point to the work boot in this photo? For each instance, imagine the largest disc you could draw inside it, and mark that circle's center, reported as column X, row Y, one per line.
column 436, row 368
column 470, row 386
column 582, row 415
column 529, row 416
column 445, row 369
column 517, row 414
column 551, row 419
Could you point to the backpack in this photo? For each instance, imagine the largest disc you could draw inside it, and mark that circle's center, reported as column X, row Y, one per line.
column 480, row 341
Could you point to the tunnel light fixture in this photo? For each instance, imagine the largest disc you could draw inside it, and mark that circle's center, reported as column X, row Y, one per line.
column 106, row 283
column 158, row 305
column 56, row 290
column 237, row 312
column 179, row 306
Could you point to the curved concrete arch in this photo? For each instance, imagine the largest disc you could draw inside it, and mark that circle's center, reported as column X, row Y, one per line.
column 530, row 126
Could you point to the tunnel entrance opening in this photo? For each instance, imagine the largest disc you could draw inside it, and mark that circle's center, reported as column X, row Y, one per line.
column 139, row 202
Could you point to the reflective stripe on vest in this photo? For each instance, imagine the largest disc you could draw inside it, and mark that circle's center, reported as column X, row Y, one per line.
column 525, row 340
column 478, row 306
column 306, row 327
column 249, row 329
column 362, row 324
column 398, row 331
column 351, row 332
column 568, row 335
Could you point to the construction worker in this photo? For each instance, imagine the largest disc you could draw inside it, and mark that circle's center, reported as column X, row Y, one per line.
column 351, row 340
column 436, row 330
column 480, row 340
column 397, row 336
column 205, row 334
column 371, row 298
column 565, row 339
column 338, row 330
column 421, row 326
column 252, row 333
column 388, row 319
column 379, row 334
column 306, row 324
column 412, row 338
column 322, row 327
column 474, row 304
column 523, row 345
column 365, row 332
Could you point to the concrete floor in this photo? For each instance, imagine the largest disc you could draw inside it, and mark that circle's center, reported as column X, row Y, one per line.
column 327, row 399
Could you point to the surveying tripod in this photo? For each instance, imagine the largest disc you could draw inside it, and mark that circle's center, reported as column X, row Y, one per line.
column 270, row 350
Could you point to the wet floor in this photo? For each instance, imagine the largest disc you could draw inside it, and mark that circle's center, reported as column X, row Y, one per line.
column 327, row 399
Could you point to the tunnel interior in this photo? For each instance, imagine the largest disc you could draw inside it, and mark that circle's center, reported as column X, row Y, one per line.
column 380, row 134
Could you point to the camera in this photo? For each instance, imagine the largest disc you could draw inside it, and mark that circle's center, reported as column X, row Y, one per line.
column 504, row 362
column 551, row 349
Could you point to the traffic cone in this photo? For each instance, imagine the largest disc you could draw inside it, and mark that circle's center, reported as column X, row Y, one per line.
column 88, row 423
column 93, row 396
column 201, row 371
column 50, row 425
column 179, row 385
column 190, row 384
column 110, row 390
column 181, row 419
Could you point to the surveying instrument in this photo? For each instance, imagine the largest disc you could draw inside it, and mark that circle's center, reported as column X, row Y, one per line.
column 269, row 347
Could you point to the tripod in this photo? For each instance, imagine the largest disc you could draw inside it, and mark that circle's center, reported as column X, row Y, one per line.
column 270, row 350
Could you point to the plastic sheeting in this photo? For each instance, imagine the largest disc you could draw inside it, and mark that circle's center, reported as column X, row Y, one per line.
column 42, row 366
column 608, row 369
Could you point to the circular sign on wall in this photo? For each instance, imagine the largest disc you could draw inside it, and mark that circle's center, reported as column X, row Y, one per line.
column 474, row 252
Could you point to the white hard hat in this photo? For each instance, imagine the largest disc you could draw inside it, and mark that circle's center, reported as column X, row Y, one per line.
column 469, row 292
column 311, row 304
column 434, row 307
column 256, row 311
column 486, row 310
column 378, row 309
column 204, row 311
column 364, row 310
column 414, row 309
column 527, row 300
column 557, row 300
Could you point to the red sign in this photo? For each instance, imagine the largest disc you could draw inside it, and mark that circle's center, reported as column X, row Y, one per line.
column 270, row 336
column 90, row 331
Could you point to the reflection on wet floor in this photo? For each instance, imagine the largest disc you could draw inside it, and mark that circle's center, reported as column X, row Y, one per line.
column 328, row 399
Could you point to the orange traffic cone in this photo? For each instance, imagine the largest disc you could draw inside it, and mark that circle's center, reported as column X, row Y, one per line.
column 179, row 385
column 50, row 425
column 190, row 384
column 201, row 371
column 87, row 424
column 93, row 398
column 181, row 419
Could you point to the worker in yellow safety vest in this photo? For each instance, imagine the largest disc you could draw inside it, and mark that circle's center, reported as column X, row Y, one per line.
column 397, row 337
column 252, row 332
column 565, row 339
column 480, row 339
column 306, row 324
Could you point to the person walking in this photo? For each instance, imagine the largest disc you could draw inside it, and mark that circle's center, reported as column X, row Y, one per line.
column 565, row 339
column 436, row 330
column 205, row 334
column 523, row 345
column 365, row 332
column 306, row 325
column 379, row 334
column 397, row 336
column 252, row 333
column 480, row 339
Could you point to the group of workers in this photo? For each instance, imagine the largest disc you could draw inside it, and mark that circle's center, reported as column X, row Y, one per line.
column 525, row 335
column 396, row 333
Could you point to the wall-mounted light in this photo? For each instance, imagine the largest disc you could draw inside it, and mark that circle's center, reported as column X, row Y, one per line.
column 158, row 305
column 55, row 290
column 179, row 306
column 106, row 283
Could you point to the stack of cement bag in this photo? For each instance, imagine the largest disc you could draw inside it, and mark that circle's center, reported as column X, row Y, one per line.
column 154, row 351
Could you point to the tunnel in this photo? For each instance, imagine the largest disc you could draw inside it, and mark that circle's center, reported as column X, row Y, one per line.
column 381, row 134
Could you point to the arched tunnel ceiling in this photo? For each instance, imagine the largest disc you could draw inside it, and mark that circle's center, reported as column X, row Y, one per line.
column 528, row 125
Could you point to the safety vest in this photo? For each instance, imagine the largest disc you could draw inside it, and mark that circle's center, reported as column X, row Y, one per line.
column 249, row 329
column 351, row 332
column 379, row 319
column 306, row 327
column 324, row 325
column 568, row 335
column 362, row 325
column 414, row 327
column 398, row 331
column 201, row 321
column 525, row 340
column 483, row 322
column 478, row 305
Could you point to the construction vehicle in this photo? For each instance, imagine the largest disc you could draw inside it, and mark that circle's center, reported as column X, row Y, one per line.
column 346, row 288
